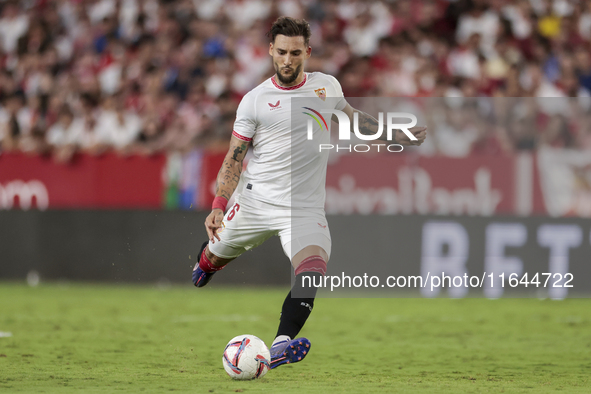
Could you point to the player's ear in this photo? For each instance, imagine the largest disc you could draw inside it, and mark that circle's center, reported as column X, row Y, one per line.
column 308, row 52
column 271, row 48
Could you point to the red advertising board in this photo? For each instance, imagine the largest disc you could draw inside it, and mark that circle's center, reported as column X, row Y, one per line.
column 393, row 184
column 210, row 166
column 107, row 181
column 481, row 185
column 387, row 184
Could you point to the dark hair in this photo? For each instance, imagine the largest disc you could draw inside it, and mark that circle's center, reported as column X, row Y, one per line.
column 290, row 27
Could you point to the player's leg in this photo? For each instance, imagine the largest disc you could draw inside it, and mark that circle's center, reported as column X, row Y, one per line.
column 244, row 227
column 307, row 242
column 310, row 266
column 208, row 264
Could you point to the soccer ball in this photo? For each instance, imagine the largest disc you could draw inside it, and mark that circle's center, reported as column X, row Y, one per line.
column 246, row 357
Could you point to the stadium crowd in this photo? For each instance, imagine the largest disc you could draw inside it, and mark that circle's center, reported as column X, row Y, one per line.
column 144, row 76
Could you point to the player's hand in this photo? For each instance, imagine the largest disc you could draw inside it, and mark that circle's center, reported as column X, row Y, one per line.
column 418, row 131
column 213, row 223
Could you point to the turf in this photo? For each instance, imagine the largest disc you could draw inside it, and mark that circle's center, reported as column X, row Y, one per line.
column 115, row 338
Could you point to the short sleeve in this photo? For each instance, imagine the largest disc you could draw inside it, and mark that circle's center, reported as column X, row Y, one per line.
column 341, row 102
column 245, row 124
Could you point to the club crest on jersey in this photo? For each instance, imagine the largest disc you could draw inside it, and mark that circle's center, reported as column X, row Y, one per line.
column 275, row 106
column 321, row 93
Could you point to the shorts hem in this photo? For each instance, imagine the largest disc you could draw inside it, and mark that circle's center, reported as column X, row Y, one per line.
column 227, row 257
column 328, row 242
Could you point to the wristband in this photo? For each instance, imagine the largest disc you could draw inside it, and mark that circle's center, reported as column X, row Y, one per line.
column 219, row 203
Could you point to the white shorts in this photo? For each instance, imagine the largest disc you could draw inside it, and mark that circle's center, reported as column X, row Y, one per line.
column 248, row 223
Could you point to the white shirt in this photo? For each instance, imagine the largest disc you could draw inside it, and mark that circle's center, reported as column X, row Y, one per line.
column 364, row 41
column 111, row 132
column 264, row 117
column 23, row 118
column 58, row 135
column 487, row 25
column 11, row 30
column 464, row 63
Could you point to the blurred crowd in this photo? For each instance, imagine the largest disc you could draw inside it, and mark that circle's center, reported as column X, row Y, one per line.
column 145, row 76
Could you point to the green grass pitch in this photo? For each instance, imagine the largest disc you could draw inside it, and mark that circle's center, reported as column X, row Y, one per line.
column 119, row 338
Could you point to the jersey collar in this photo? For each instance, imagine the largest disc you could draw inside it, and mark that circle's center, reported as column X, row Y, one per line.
column 299, row 85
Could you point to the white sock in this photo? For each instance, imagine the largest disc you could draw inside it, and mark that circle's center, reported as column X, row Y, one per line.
column 281, row 338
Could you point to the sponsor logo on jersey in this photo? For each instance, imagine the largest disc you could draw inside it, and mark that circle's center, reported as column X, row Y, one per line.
column 321, row 93
column 275, row 106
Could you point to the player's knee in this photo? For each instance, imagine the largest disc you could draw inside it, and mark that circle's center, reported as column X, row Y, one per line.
column 308, row 277
column 310, row 251
column 312, row 264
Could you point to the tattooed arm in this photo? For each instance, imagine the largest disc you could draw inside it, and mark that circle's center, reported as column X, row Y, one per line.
column 368, row 125
column 226, row 183
column 229, row 174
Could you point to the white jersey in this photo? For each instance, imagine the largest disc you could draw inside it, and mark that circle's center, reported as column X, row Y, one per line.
column 287, row 170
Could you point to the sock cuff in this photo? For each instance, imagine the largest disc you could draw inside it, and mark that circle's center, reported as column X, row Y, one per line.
column 281, row 338
column 206, row 265
column 312, row 264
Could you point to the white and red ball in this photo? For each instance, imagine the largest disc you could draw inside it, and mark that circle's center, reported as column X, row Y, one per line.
column 246, row 357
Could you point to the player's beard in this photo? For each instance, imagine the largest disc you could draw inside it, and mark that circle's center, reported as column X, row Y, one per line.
column 286, row 80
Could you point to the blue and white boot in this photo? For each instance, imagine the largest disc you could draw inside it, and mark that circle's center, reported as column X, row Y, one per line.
column 200, row 277
column 289, row 351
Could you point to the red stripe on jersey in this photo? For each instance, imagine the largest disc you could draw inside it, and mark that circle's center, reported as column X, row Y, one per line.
column 299, row 85
column 241, row 137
